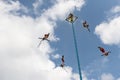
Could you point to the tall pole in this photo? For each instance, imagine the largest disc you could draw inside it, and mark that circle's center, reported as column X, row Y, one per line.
column 71, row 18
column 78, row 60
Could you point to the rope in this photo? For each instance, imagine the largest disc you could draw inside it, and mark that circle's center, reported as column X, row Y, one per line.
column 78, row 61
column 40, row 43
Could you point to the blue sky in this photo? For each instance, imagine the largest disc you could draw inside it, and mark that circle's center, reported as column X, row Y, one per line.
column 23, row 21
column 94, row 12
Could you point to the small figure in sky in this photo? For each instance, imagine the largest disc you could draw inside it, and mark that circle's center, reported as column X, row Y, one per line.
column 104, row 53
column 62, row 59
column 86, row 25
column 71, row 18
column 44, row 38
column 63, row 63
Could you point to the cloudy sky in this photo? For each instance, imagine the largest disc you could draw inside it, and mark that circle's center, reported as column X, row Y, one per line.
column 23, row 21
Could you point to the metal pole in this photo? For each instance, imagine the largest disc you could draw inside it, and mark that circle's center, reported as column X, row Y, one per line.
column 78, row 61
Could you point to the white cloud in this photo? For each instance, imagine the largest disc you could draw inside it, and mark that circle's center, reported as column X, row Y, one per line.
column 95, row 68
column 20, row 59
column 36, row 6
column 118, row 79
column 109, row 31
column 56, row 56
column 84, row 76
column 75, row 77
column 37, row 3
column 107, row 76
column 62, row 8
column 11, row 7
column 115, row 9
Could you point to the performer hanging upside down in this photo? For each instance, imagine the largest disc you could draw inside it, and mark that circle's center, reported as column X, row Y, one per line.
column 104, row 53
column 86, row 25
column 63, row 63
column 44, row 38
column 62, row 59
